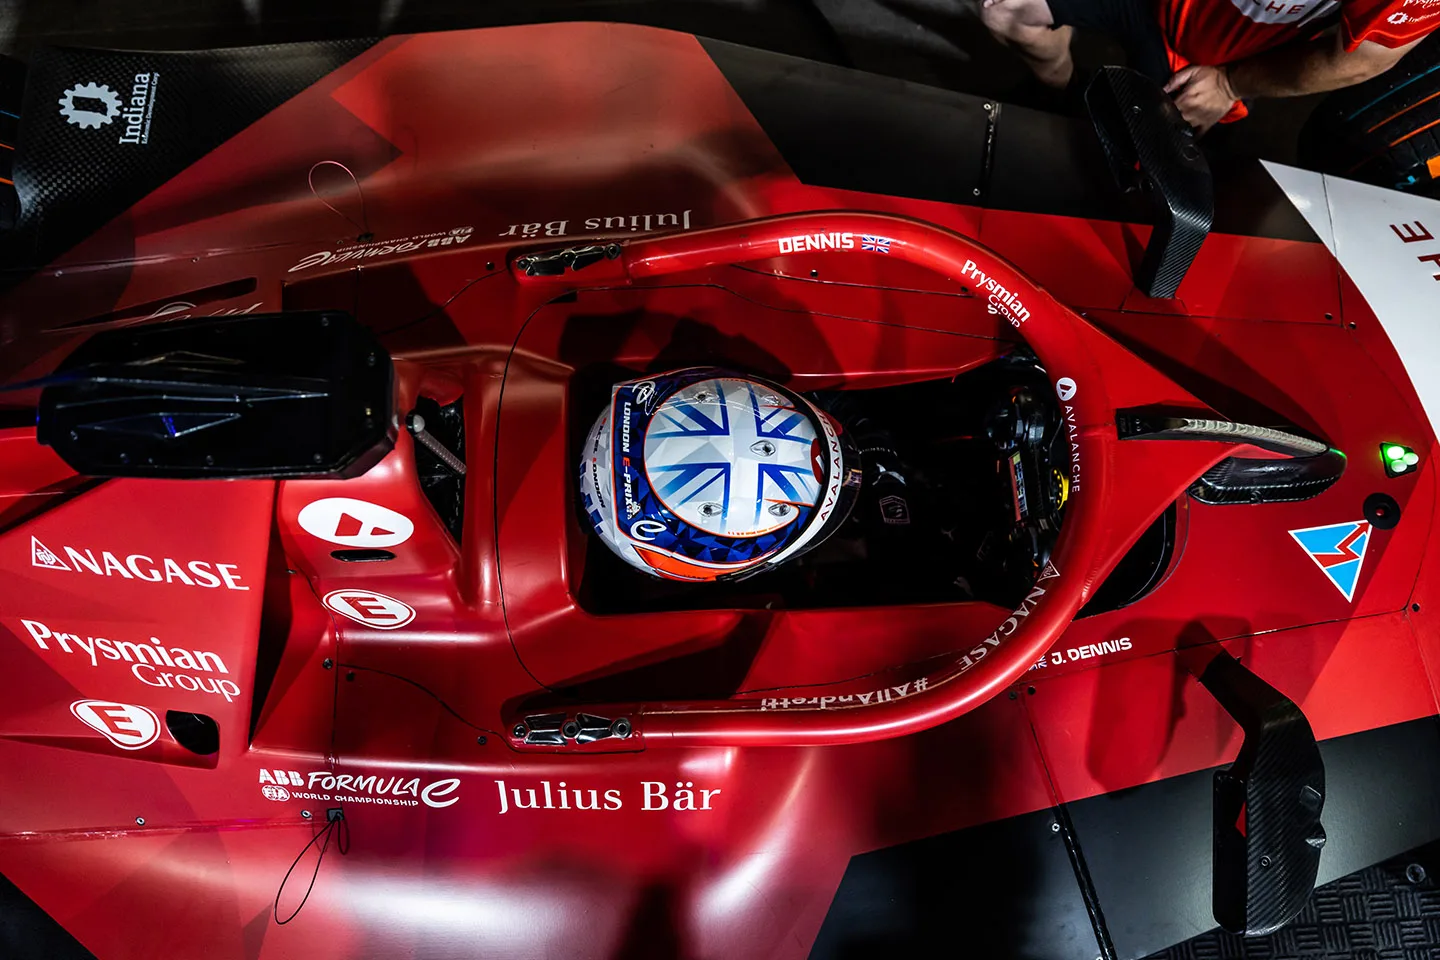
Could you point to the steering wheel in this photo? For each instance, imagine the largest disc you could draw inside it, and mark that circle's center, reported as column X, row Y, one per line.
column 941, row 689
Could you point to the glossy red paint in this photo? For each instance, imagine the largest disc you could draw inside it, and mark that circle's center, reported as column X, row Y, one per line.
column 468, row 849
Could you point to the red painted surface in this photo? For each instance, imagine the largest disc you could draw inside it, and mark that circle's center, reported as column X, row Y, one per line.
column 445, row 866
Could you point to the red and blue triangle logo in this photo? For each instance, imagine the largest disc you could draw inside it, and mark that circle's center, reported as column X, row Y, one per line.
column 1338, row 549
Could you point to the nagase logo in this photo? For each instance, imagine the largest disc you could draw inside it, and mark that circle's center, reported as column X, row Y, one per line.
column 128, row 726
column 355, row 523
column 370, row 608
column 137, row 566
column 1012, row 623
column 354, row 788
column 153, row 664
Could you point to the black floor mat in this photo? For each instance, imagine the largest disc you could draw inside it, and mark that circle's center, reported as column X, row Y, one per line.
column 1386, row 912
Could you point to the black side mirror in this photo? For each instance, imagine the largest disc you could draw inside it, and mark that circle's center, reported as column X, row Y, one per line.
column 1267, row 831
column 1151, row 148
column 264, row 395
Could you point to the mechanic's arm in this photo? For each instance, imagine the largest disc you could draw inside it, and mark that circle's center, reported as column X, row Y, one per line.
column 1205, row 94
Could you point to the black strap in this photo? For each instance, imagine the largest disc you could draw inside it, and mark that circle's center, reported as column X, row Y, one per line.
column 335, row 824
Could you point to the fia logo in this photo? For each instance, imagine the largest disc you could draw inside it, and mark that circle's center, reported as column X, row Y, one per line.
column 355, row 523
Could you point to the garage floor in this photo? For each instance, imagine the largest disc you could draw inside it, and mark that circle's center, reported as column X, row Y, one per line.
column 937, row 42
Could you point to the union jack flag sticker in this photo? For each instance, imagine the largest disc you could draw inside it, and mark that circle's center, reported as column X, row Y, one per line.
column 874, row 244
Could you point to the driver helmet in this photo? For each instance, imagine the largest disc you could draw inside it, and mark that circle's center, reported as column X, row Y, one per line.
column 707, row 474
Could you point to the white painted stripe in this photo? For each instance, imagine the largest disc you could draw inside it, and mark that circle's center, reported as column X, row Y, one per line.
column 1379, row 236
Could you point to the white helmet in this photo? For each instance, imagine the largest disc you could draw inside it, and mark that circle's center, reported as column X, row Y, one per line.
column 705, row 474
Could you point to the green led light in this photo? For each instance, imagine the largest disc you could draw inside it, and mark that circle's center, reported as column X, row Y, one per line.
column 1398, row 459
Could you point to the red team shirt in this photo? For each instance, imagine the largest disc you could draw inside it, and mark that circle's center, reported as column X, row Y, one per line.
column 1217, row 32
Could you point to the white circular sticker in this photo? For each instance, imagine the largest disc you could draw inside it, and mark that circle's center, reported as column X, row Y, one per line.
column 355, row 523
column 126, row 725
column 370, row 608
column 1065, row 387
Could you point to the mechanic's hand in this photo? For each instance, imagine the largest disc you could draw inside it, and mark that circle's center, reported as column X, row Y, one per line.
column 1203, row 94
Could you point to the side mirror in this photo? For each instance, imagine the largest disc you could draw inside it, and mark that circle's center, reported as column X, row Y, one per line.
column 263, row 395
column 1150, row 147
column 1267, row 831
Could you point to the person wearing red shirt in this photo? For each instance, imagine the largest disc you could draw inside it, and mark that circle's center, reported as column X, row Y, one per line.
column 1212, row 54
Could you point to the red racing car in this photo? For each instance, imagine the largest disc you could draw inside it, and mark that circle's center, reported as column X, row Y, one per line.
column 589, row 491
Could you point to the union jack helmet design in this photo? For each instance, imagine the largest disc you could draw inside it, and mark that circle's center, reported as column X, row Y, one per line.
column 706, row 474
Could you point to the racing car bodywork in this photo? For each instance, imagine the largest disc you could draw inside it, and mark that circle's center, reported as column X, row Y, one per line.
column 537, row 755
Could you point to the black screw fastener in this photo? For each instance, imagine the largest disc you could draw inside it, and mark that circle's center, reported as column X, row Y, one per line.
column 519, row 730
column 620, row 728
column 480, row 741
column 1265, row 861
column 571, row 729
column 327, row 663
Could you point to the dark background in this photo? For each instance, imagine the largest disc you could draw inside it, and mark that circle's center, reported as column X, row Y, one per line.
column 937, row 42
